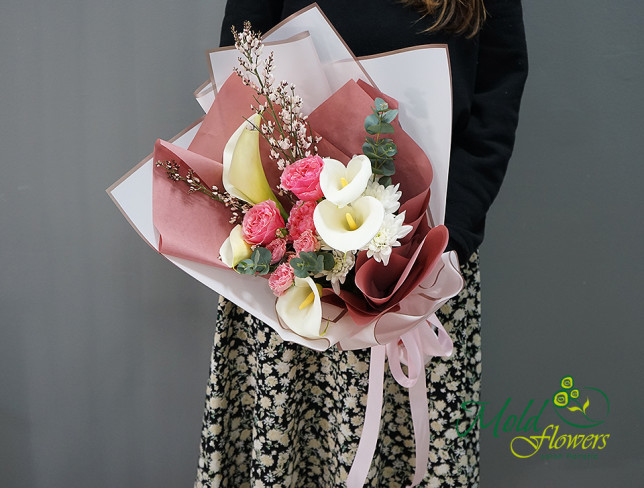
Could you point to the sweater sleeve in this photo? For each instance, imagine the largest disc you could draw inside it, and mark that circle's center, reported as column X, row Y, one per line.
column 262, row 14
column 482, row 149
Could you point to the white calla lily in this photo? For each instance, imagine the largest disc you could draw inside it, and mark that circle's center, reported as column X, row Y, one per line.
column 243, row 174
column 343, row 184
column 300, row 308
column 351, row 227
column 235, row 248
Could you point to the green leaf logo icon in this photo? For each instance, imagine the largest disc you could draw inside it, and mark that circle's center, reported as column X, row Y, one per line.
column 569, row 408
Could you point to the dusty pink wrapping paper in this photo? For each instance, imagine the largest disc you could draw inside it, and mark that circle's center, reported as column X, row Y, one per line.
column 187, row 224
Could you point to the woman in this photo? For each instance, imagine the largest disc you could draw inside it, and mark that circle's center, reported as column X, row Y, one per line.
column 278, row 414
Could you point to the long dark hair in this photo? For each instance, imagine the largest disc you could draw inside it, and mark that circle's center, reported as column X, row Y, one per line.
column 462, row 17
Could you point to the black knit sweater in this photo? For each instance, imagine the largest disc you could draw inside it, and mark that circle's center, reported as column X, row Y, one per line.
column 488, row 75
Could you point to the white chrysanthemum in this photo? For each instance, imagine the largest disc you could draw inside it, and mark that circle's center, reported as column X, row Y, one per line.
column 391, row 230
column 388, row 196
column 344, row 262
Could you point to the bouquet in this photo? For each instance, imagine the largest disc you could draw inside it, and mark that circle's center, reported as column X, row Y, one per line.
column 305, row 202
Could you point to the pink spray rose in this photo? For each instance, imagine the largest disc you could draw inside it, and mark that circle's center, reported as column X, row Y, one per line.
column 307, row 242
column 281, row 279
column 277, row 247
column 303, row 178
column 300, row 219
column 261, row 222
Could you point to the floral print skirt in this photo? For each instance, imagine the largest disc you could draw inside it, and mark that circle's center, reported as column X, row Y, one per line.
column 281, row 415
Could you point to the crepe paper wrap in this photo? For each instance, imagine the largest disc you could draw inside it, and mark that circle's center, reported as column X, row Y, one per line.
column 393, row 312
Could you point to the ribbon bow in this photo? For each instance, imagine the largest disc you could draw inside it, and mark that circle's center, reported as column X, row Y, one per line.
column 414, row 348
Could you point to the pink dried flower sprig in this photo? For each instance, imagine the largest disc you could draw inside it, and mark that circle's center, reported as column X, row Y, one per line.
column 286, row 130
column 237, row 207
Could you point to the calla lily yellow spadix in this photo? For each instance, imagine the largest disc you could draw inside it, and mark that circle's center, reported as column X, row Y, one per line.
column 298, row 312
column 343, row 184
column 243, row 175
column 351, row 221
column 351, row 227
column 235, row 248
column 310, row 298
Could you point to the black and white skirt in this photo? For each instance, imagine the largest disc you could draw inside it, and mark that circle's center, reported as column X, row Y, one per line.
column 281, row 415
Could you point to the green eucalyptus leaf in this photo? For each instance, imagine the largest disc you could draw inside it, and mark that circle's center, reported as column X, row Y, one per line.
column 387, row 168
column 301, row 273
column 311, row 259
column 261, row 255
column 390, row 149
column 319, row 265
column 329, row 261
column 381, row 152
column 370, row 140
column 371, row 124
column 389, row 115
column 262, row 269
column 386, row 128
column 246, row 266
column 381, row 104
column 299, row 268
column 369, row 151
column 306, row 264
column 385, row 181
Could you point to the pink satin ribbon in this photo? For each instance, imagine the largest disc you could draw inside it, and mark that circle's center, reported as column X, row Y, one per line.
column 371, row 427
column 414, row 348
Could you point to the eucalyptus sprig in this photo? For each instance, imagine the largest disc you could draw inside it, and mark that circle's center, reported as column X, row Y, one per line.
column 259, row 263
column 381, row 151
column 311, row 263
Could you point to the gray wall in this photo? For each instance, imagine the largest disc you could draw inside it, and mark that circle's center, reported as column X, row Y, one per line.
column 562, row 263
column 105, row 346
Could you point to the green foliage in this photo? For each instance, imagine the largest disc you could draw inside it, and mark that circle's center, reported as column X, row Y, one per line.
column 380, row 152
column 385, row 181
column 311, row 263
column 259, row 262
column 329, row 261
